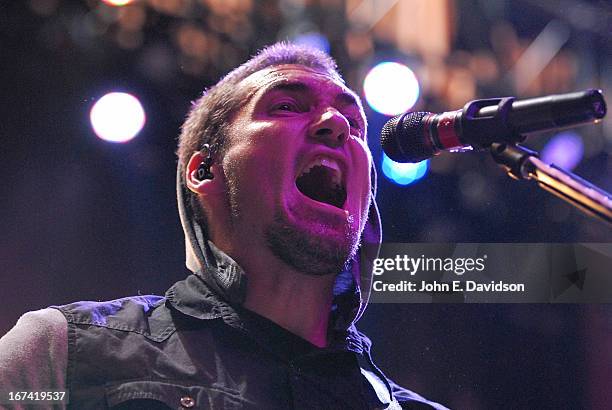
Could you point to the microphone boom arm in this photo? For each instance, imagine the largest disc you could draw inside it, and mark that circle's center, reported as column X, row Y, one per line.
column 522, row 163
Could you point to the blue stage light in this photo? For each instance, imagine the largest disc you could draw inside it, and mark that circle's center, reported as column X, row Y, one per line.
column 313, row 39
column 391, row 88
column 404, row 173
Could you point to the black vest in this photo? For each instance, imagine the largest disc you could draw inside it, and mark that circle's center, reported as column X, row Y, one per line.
column 190, row 349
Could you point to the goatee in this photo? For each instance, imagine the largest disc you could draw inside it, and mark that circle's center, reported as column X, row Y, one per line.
column 317, row 250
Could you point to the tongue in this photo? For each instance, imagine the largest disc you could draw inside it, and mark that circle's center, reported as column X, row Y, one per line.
column 317, row 184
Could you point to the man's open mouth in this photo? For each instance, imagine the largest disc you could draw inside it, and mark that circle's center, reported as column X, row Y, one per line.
column 321, row 180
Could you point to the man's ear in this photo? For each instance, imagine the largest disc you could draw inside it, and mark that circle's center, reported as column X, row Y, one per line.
column 203, row 186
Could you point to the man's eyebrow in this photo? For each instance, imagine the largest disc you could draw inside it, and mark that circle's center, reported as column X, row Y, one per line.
column 293, row 86
column 345, row 98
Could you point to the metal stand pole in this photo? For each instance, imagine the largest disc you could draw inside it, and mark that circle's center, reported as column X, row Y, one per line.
column 522, row 163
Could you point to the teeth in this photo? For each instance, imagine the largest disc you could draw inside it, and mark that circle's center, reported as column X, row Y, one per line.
column 328, row 163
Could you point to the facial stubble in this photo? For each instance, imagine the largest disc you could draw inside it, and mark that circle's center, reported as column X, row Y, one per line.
column 317, row 249
column 314, row 247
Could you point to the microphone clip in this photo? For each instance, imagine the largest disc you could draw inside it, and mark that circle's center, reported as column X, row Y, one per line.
column 482, row 127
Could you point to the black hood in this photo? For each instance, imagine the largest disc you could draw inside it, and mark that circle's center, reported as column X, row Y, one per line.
column 228, row 279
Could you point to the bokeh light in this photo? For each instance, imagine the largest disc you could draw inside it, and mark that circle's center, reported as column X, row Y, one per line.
column 313, row 39
column 117, row 117
column 403, row 173
column 118, row 3
column 391, row 88
column 565, row 150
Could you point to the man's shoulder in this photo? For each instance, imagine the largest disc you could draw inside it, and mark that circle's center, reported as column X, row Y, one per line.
column 33, row 354
column 35, row 329
column 95, row 310
column 144, row 314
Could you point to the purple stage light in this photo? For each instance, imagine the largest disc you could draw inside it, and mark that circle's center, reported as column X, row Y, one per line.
column 564, row 150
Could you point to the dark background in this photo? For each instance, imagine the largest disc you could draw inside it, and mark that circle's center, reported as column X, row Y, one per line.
column 84, row 219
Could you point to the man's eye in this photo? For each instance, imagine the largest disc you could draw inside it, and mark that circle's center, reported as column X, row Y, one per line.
column 286, row 106
column 353, row 122
column 355, row 125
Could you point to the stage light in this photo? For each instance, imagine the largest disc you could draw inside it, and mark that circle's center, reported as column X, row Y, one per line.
column 403, row 173
column 117, row 117
column 391, row 88
column 313, row 39
column 117, row 3
column 564, row 150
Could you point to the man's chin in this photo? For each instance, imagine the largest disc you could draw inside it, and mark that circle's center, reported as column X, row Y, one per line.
column 314, row 248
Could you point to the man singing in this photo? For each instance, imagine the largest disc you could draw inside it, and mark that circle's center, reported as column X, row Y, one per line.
column 276, row 191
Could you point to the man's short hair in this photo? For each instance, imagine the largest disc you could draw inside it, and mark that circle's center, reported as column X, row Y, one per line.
column 210, row 116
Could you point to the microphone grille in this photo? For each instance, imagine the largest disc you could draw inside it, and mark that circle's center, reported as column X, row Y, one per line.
column 403, row 140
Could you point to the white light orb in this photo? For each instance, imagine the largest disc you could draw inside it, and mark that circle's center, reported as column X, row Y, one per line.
column 117, row 117
column 391, row 88
column 117, row 3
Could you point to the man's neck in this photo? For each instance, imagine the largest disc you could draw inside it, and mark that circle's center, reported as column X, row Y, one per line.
column 296, row 301
column 299, row 303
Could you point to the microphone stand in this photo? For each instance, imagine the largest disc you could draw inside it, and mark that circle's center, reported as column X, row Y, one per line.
column 522, row 163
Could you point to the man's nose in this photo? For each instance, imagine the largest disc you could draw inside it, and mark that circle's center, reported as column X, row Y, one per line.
column 330, row 128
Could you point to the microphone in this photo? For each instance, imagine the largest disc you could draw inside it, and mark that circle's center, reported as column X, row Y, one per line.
column 416, row 136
